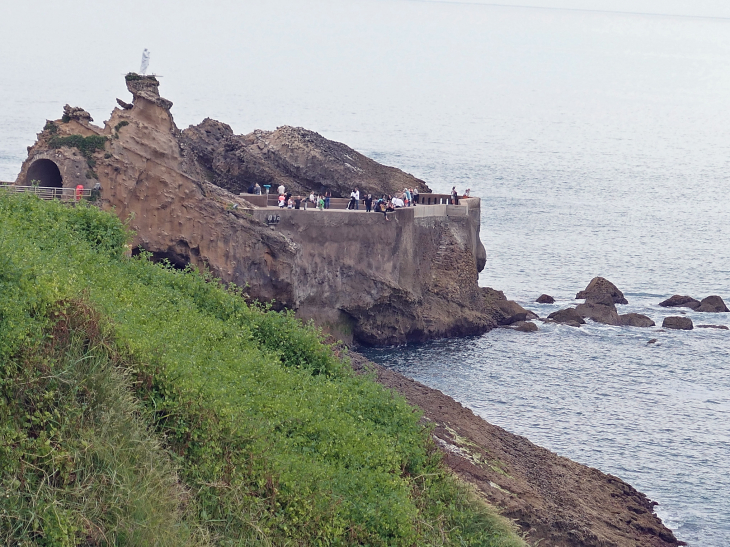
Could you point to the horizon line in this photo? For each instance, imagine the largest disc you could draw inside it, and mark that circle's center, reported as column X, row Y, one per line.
column 587, row 10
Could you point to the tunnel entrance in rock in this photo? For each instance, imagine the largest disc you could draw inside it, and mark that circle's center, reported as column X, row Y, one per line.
column 46, row 173
column 176, row 260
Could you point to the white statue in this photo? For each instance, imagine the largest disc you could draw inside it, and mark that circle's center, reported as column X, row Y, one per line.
column 145, row 62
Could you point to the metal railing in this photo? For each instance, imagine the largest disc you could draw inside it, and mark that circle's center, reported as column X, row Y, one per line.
column 48, row 193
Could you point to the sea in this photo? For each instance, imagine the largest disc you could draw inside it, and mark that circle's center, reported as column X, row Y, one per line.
column 596, row 132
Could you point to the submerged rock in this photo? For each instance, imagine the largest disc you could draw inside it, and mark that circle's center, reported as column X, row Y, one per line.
column 545, row 299
column 679, row 301
column 600, row 286
column 677, row 323
column 712, row 304
column 721, row 327
column 524, row 326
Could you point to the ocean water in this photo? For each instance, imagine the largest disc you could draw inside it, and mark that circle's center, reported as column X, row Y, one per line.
column 597, row 134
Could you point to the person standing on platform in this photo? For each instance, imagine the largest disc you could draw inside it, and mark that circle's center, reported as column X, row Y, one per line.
column 327, row 196
column 357, row 199
column 368, row 203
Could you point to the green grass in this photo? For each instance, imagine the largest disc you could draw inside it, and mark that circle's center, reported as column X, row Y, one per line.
column 251, row 429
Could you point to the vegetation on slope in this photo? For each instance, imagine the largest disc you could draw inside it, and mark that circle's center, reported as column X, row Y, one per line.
column 142, row 405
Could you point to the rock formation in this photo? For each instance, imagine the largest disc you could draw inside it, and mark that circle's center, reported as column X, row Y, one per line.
column 545, row 299
column 300, row 159
column 712, row 304
column 505, row 312
column 599, row 286
column 635, row 320
column 568, row 316
column 357, row 276
column 677, row 323
column 554, row 501
column 679, row 301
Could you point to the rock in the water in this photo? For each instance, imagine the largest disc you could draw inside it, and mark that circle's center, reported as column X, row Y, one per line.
column 652, row 341
column 712, row 304
column 567, row 316
column 677, row 323
column 601, row 285
column 721, row 327
column 679, row 301
column 512, row 312
column 545, row 299
column 524, row 326
column 598, row 311
column 635, row 320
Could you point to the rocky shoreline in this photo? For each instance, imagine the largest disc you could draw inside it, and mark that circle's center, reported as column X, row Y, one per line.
column 555, row 501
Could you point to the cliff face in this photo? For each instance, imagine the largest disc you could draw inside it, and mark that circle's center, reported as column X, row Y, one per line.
column 300, row 159
column 360, row 277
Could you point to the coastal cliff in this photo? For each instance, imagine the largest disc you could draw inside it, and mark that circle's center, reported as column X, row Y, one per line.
column 361, row 278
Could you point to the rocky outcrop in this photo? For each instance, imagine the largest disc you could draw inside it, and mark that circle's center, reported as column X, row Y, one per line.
column 712, row 304
column 554, row 501
column 524, row 326
column 503, row 311
column 300, row 159
column 599, row 307
column 545, row 299
column 354, row 274
column 76, row 113
column 601, row 286
column 679, row 301
column 635, row 320
column 568, row 316
column 677, row 323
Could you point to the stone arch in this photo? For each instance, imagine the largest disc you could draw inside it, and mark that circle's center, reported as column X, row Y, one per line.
column 45, row 171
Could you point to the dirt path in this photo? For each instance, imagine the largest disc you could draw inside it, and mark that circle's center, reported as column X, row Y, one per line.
column 556, row 501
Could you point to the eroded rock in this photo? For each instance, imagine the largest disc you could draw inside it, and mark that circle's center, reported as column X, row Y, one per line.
column 635, row 320
column 567, row 316
column 298, row 158
column 599, row 286
column 677, row 323
column 524, row 326
column 357, row 276
column 545, row 299
column 679, row 301
column 712, row 304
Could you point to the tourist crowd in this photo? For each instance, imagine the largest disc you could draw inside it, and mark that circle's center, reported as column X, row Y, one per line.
column 384, row 204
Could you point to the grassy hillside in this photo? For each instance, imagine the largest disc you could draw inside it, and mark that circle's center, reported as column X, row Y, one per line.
column 141, row 405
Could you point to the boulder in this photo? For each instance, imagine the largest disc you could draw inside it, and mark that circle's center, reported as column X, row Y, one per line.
column 677, row 323
column 545, row 299
column 512, row 312
column 598, row 311
column 524, row 326
column 567, row 316
column 600, row 285
column 721, row 327
column 635, row 320
column 712, row 304
column 679, row 301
